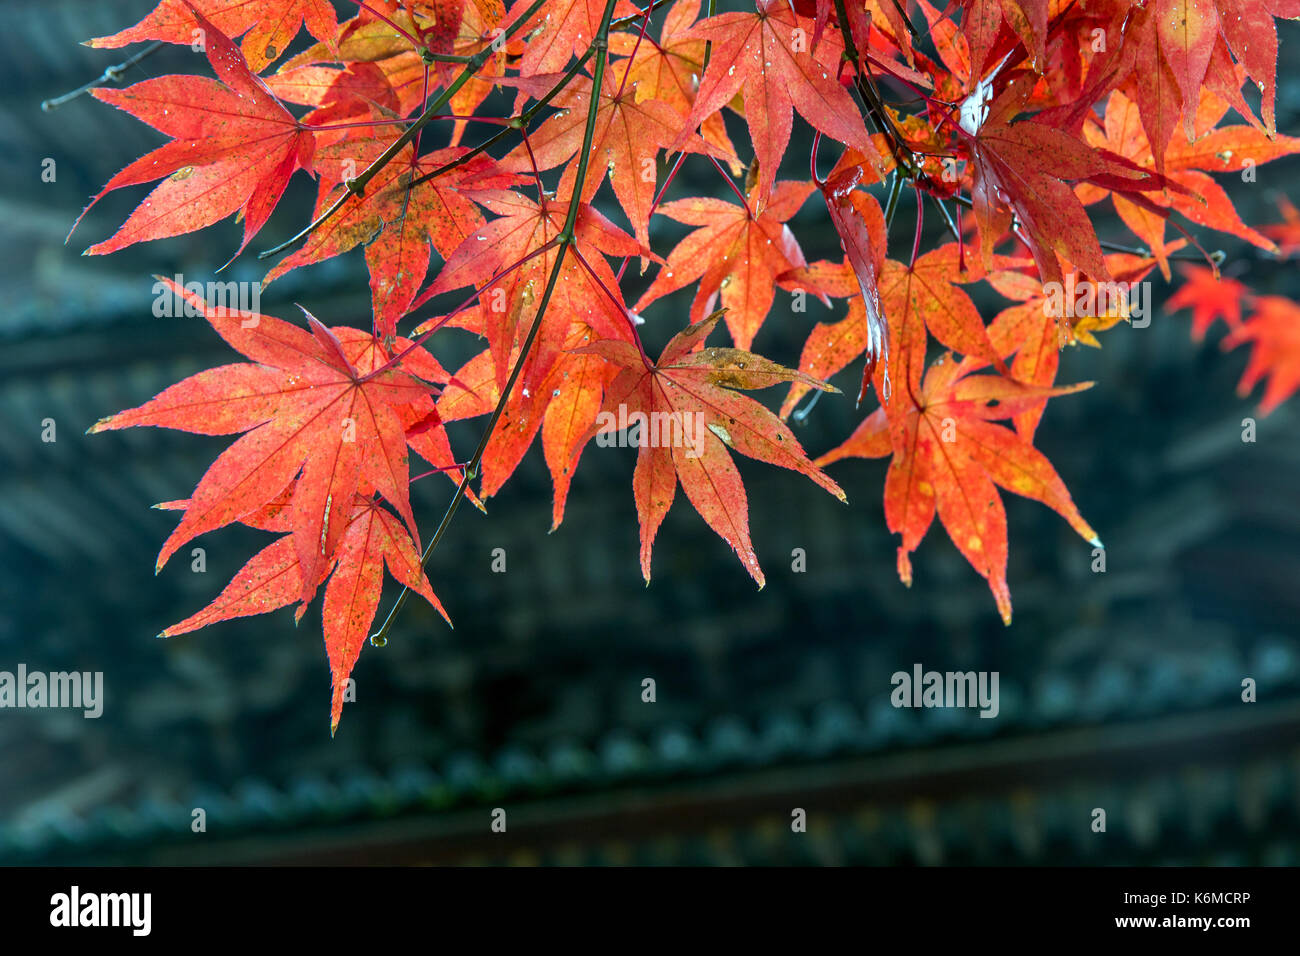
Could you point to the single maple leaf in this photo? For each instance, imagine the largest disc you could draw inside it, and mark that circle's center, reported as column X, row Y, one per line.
column 1287, row 232
column 1273, row 330
column 692, row 416
column 759, row 55
column 1210, row 296
column 271, row 25
column 949, row 458
column 234, row 148
column 737, row 253
column 305, row 407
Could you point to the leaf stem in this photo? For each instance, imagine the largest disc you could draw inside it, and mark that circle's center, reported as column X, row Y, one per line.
column 734, row 188
column 609, row 294
column 891, row 204
column 416, row 41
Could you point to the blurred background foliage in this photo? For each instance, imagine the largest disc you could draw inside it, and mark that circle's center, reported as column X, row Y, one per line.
column 1119, row 690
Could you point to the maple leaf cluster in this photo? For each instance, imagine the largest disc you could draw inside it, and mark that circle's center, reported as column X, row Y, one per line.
column 1009, row 119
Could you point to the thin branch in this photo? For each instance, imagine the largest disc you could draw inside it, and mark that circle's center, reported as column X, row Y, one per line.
column 359, row 125
column 112, row 75
column 895, row 190
column 632, row 57
column 947, row 216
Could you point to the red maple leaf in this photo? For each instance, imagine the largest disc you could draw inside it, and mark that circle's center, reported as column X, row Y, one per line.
column 1273, row 330
column 234, row 149
column 692, row 416
column 737, row 253
column 949, row 458
column 273, row 579
column 307, row 407
column 1287, row 232
column 1210, row 296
